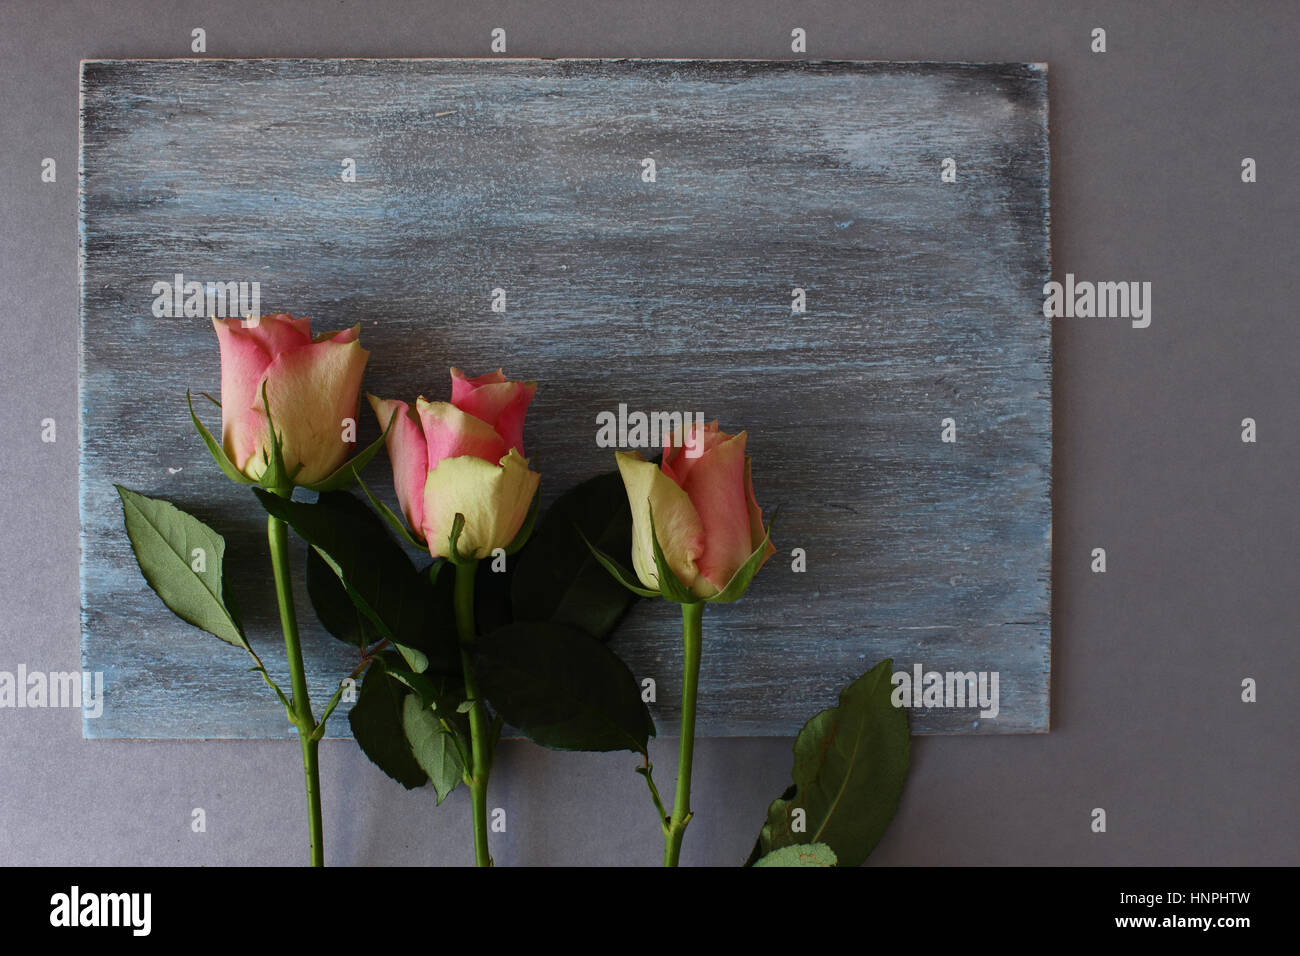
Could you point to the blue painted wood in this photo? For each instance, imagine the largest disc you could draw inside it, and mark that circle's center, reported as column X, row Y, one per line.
column 924, row 302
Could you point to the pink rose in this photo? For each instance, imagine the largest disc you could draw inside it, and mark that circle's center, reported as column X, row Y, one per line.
column 313, row 387
column 705, row 516
column 464, row 456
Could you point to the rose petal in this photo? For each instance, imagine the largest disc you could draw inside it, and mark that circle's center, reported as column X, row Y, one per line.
column 311, row 390
column 492, row 398
column 676, row 522
column 756, row 530
column 409, row 456
column 677, row 464
column 461, row 385
column 342, row 336
column 715, row 484
column 243, row 426
column 451, row 433
column 278, row 333
column 494, row 498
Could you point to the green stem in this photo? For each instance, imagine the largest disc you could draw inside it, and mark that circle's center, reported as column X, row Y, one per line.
column 277, row 534
column 692, row 617
column 481, row 760
column 311, row 773
column 367, row 658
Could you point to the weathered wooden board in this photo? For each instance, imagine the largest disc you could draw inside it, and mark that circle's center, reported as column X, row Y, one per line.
column 924, row 302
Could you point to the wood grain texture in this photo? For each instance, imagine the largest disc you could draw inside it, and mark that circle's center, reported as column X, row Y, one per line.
column 924, row 301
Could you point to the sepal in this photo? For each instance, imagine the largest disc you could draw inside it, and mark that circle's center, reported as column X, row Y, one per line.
column 214, row 448
column 275, row 477
column 621, row 574
column 670, row 586
column 453, row 553
column 393, row 520
column 348, row 472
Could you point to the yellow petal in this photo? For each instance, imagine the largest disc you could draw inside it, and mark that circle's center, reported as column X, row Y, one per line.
column 311, row 390
column 676, row 523
column 494, row 498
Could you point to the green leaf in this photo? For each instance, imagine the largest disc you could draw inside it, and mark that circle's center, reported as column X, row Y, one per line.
column 215, row 450
column 849, row 766
column 562, row 688
column 443, row 695
column 559, row 575
column 491, row 596
column 739, row 582
column 494, row 736
column 428, row 692
column 348, row 472
column 167, row 544
column 803, row 854
column 433, row 570
column 415, row 658
column 330, row 601
column 757, row 852
column 378, row 577
column 377, row 724
column 433, row 746
column 670, row 586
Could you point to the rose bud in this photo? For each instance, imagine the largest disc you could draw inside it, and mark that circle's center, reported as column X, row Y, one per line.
column 462, row 457
column 312, row 386
column 705, row 516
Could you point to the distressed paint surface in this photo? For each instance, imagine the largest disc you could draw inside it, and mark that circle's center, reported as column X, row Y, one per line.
column 924, row 301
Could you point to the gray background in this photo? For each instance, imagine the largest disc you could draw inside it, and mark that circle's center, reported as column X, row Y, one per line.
column 1200, row 529
column 927, row 301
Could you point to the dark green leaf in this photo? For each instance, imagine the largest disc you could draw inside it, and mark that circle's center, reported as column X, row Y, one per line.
column 622, row 575
column 167, row 544
column 849, row 766
column 386, row 513
column 395, row 597
column 802, row 854
column 433, row 746
column 433, row 571
column 376, row 720
column 443, row 694
column 332, row 605
column 427, row 690
column 494, row 735
column 558, row 577
column 415, row 658
column 561, row 688
column 492, row 607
